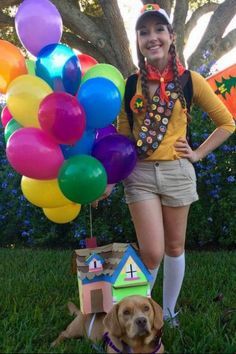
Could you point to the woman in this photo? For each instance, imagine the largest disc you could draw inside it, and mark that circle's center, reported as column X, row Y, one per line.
column 162, row 186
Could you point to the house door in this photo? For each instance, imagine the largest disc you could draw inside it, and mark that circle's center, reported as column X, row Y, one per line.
column 96, row 301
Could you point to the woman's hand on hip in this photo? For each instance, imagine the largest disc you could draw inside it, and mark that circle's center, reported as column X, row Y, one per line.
column 184, row 150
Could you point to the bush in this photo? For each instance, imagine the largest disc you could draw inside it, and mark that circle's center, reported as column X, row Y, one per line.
column 211, row 222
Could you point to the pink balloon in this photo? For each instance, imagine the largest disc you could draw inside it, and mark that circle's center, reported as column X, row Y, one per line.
column 32, row 153
column 5, row 116
column 86, row 62
column 63, row 117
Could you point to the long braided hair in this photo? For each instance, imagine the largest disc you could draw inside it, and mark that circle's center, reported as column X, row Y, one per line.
column 144, row 80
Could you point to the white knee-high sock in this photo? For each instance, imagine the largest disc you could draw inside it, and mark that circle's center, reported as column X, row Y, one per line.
column 174, row 268
column 154, row 275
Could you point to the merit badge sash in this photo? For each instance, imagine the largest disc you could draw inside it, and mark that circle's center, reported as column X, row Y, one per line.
column 155, row 122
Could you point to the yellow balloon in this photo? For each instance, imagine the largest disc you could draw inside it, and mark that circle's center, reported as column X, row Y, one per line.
column 43, row 193
column 24, row 95
column 63, row 214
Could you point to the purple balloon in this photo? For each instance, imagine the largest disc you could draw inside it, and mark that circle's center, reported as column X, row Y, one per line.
column 118, row 156
column 38, row 23
column 102, row 132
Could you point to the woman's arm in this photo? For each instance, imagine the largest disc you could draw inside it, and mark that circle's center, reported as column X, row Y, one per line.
column 218, row 136
column 207, row 100
column 105, row 195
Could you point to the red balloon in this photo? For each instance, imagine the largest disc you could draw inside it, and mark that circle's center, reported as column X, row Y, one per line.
column 6, row 116
column 62, row 117
column 86, row 62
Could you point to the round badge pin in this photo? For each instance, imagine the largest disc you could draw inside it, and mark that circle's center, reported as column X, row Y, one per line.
column 160, row 109
column 174, row 95
column 155, row 99
column 165, row 121
column 162, row 128
column 139, row 142
column 158, row 117
column 147, row 121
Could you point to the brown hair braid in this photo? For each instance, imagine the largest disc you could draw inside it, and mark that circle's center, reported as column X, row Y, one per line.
column 143, row 77
column 177, row 82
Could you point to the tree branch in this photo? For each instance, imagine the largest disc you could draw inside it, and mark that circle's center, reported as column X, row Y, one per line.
column 6, row 21
column 84, row 47
column 178, row 25
column 215, row 30
column 74, row 19
column 112, row 15
column 8, row 3
column 225, row 45
column 77, row 22
column 197, row 14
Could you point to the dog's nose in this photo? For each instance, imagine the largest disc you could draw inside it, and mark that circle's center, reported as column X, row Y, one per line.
column 141, row 322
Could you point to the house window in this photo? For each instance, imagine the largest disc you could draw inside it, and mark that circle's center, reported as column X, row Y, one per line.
column 131, row 272
column 95, row 265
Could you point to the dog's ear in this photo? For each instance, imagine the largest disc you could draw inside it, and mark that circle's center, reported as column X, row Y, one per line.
column 111, row 321
column 158, row 315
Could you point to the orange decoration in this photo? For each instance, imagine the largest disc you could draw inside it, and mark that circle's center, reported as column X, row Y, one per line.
column 150, row 7
column 138, row 104
column 224, row 85
column 12, row 64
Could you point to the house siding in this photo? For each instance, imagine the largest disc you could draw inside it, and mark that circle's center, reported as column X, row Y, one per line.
column 120, row 293
column 86, row 297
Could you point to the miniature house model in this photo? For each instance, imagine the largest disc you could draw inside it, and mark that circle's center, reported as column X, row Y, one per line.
column 108, row 274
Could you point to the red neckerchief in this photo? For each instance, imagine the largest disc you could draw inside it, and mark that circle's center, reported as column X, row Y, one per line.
column 167, row 75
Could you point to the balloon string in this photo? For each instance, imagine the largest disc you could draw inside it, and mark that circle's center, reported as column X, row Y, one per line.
column 91, row 220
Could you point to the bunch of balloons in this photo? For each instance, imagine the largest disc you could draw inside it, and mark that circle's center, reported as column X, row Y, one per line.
column 58, row 116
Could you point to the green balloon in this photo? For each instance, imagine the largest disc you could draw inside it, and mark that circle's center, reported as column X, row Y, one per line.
column 82, row 179
column 10, row 128
column 30, row 64
column 109, row 72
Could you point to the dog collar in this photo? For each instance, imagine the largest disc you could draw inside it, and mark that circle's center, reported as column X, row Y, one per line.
column 127, row 349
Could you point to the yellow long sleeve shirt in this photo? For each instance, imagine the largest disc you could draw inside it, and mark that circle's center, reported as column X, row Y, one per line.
column 203, row 96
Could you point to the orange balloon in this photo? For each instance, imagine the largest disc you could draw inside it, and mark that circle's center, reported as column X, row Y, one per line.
column 12, row 64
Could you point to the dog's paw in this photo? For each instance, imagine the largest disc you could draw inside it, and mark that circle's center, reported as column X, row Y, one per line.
column 54, row 344
column 73, row 309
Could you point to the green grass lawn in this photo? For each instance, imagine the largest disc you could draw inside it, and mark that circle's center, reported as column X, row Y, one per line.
column 36, row 285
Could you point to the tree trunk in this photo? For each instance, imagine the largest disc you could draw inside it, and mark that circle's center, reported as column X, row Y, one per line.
column 102, row 34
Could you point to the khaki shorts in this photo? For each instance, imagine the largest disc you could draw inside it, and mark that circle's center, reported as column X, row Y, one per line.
column 174, row 182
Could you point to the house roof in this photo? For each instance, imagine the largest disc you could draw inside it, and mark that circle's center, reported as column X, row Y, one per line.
column 130, row 252
column 112, row 255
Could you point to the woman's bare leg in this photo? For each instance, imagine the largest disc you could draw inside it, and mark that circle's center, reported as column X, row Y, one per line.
column 175, row 223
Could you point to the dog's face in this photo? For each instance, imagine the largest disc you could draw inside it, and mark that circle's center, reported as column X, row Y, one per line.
column 135, row 318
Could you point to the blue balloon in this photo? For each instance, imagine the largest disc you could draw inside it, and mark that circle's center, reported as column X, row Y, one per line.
column 101, row 101
column 83, row 146
column 58, row 65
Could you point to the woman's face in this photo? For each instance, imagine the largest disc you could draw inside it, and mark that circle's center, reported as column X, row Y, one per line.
column 154, row 41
